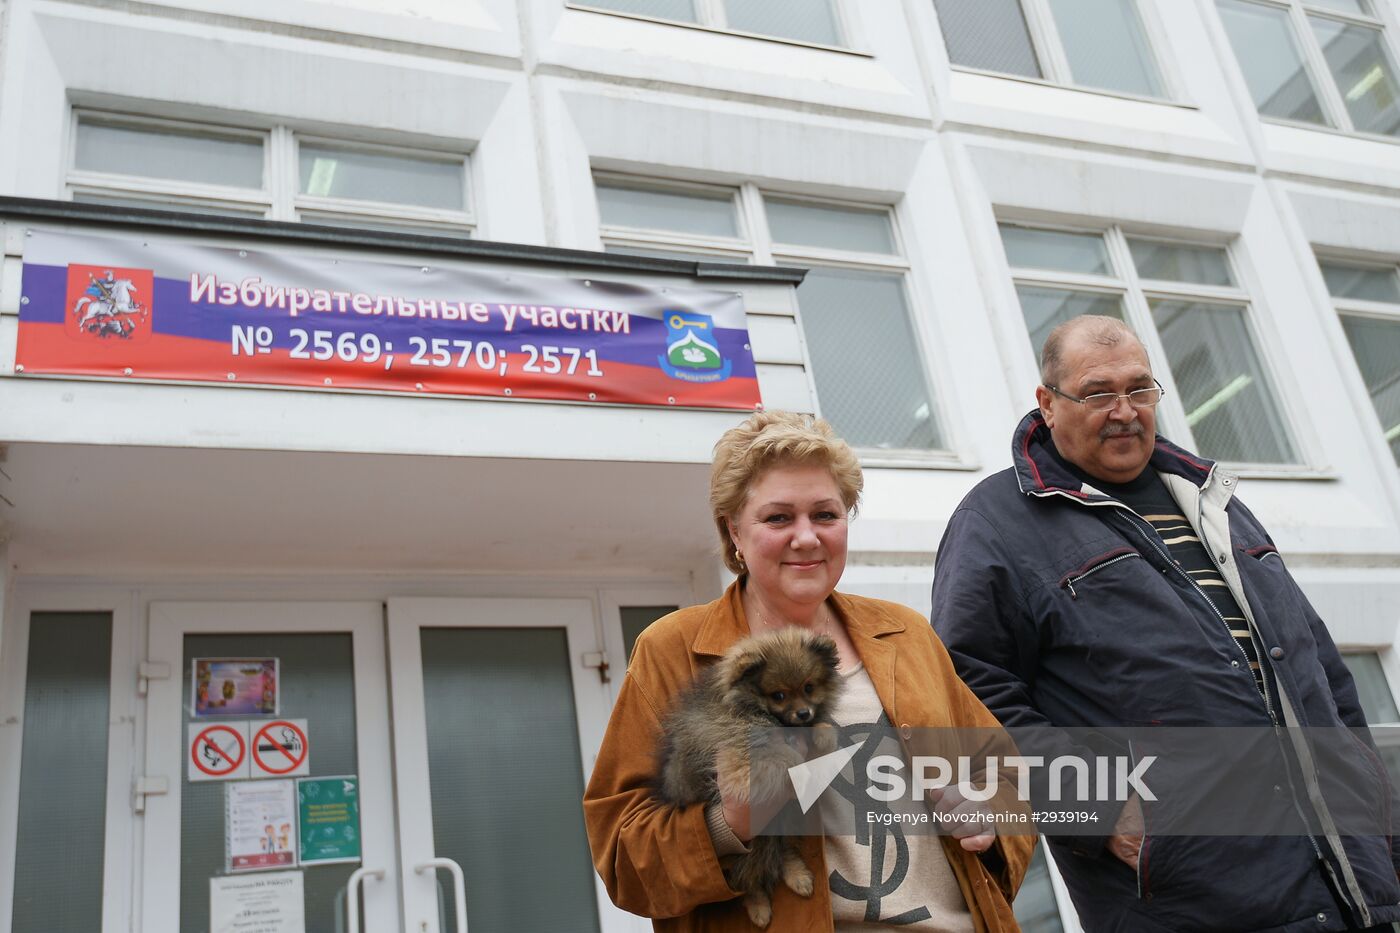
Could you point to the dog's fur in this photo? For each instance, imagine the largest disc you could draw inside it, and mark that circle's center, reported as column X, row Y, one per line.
column 786, row 678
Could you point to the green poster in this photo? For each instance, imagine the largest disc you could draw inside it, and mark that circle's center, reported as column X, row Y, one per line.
column 328, row 814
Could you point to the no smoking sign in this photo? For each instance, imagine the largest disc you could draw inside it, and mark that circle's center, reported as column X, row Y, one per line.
column 280, row 749
column 236, row 751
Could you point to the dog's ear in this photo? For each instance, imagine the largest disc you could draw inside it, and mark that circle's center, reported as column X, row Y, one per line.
column 825, row 647
column 744, row 666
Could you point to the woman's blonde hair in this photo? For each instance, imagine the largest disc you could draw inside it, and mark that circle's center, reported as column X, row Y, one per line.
column 765, row 440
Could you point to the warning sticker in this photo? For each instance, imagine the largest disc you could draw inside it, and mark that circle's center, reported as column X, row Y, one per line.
column 280, row 749
column 218, row 752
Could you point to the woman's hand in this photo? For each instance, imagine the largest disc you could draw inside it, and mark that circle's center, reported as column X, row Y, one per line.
column 971, row 819
column 753, row 791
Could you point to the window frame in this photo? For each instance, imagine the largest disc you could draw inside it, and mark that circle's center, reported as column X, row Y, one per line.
column 280, row 196
column 1329, row 96
column 1362, row 308
column 1136, row 295
column 711, row 16
column 160, row 191
column 755, row 245
column 1054, row 63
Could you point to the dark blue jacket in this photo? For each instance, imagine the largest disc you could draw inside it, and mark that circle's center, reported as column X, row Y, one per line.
column 1061, row 607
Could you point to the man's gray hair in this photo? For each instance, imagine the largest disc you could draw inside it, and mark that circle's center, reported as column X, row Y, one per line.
column 1099, row 328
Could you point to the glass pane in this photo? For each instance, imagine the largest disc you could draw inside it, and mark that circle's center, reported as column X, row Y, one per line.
column 1346, row 6
column 840, row 228
column 628, row 250
column 1377, row 702
column 1051, row 249
column 681, row 10
column 1230, row 403
column 1047, row 308
column 1376, row 345
column 328, row 172
column 361, row 222
column 63, row 773
column 1268, row 55
column 1036, row 910
column 316, row 682
column 1106, row 45
column 636, row 618
column 173, row 154
column 700, row 213
column 1364, row 74
column 168, row 203
column 1173, row 262
column 1367, row 283
column 988, row 34
column 865, row 360
column 506, row 775
column 804, row 20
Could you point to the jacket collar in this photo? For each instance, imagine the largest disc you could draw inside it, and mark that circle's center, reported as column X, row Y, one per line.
column 1038, row 473
column 726, row 623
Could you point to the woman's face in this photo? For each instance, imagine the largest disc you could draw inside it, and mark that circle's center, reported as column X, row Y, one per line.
column 792, row 534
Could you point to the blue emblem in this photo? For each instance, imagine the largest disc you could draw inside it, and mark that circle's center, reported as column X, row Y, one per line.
column 692, row 350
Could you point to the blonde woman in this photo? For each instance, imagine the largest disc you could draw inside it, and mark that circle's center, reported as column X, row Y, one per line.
column 783, row 488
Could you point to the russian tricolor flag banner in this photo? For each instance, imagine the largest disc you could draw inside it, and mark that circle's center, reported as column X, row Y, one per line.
column 144, row 308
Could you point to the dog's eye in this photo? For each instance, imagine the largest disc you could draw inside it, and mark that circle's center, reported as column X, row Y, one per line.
column 807, row 689
column 778, row 696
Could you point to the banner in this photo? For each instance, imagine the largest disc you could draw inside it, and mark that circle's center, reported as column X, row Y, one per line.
column 145, row 308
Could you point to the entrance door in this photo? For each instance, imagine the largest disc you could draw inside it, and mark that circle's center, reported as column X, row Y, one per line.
column 329, row 672
column 497, row 720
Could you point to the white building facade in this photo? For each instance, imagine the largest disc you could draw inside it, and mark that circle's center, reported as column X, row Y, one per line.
column 450, row 583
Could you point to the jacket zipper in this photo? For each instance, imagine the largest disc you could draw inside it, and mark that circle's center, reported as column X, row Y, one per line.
column 1069, row 583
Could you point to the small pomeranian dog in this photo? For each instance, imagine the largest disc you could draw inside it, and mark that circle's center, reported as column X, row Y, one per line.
column 709, row 748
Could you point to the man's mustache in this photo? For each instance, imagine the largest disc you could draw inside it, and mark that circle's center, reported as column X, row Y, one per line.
column 1131, row 429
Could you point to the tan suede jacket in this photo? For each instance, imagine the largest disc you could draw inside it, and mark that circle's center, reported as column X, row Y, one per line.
column 660, row 862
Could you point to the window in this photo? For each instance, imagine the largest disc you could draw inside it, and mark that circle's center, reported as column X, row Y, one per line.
column 1368, row 300
column 1183, row 298
column 1098, row 44
column 855, row 314
column 276, row 173
column 813, row 21
column 1378, row 703
column 1323, row 62
column 1035, row 905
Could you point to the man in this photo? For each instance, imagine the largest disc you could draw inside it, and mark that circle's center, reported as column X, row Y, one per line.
column 1110, row 579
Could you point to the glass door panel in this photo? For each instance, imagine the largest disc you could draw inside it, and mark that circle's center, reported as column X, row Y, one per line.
column 497, row 721
column 329, row 673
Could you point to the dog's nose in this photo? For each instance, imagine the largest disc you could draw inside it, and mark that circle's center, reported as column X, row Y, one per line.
column 803, row 715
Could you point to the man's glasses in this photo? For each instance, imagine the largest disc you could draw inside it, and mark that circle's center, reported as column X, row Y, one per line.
column 1107, row 401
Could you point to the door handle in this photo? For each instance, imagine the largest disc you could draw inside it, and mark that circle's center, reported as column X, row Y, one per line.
column 352, row 900
column 459, row 886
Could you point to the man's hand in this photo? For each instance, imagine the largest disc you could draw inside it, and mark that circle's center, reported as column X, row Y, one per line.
column 973, row 827
column 1126, row 841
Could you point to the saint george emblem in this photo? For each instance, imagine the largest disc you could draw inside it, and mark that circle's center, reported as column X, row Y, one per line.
column 108, row 303
column 692, row 349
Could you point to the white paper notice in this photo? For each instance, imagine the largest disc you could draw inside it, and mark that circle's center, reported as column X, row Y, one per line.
column 266, row 903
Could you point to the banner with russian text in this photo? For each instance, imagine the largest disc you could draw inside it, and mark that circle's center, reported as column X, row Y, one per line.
column 146, row 308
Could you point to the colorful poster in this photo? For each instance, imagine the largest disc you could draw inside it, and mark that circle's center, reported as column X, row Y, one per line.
column 259, row 825
column 328, row 814
column 144, row 307
column 273, row 903
column 233, row 687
